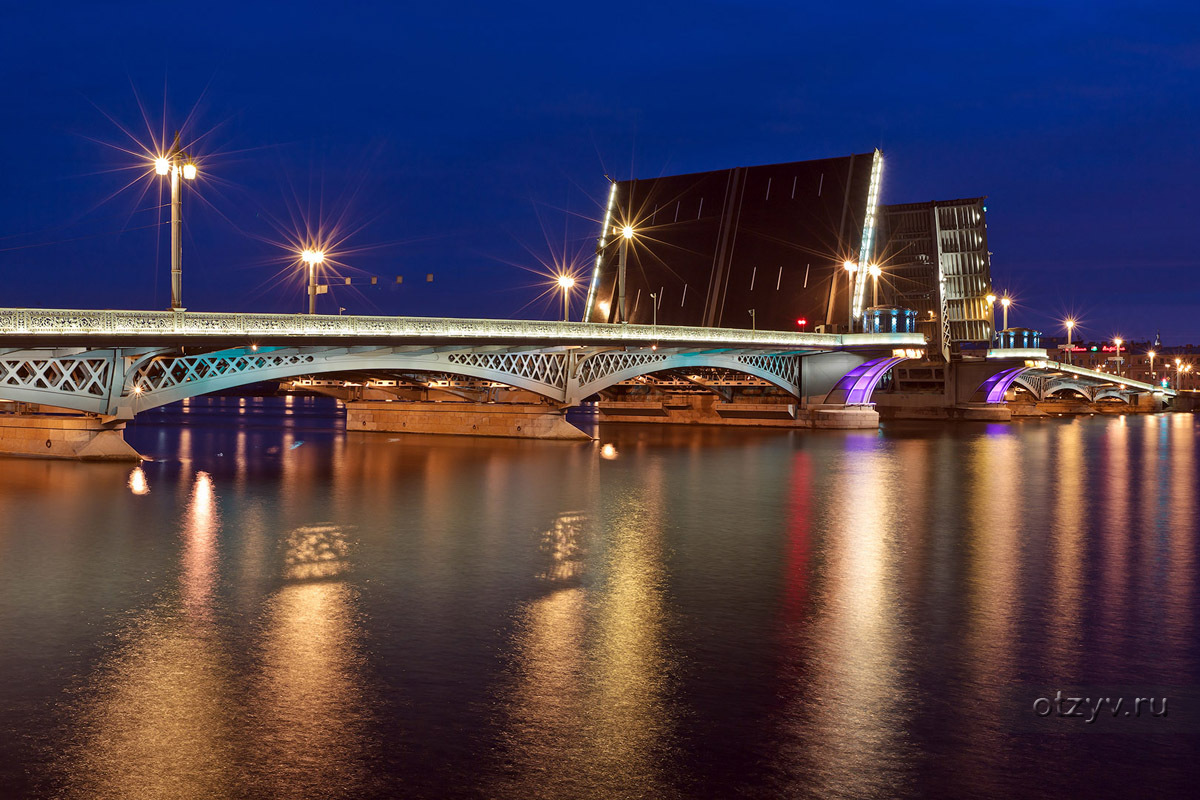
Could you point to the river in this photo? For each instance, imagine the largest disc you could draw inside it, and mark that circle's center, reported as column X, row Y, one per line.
column 274, row 607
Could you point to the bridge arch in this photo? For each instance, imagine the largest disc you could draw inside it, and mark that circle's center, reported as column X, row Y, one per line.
column 600, row 371
column 165, row 380
column 1069, row 389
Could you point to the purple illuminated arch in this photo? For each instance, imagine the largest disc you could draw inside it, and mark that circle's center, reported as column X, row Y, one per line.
column 858, row 384
column 998, row 385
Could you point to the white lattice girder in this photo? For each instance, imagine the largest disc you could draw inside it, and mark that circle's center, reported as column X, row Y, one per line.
column 79, row 382
column 600, row 371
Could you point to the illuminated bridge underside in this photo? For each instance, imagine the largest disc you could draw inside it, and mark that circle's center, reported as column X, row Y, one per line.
column 1045, row 379
column 116, row 378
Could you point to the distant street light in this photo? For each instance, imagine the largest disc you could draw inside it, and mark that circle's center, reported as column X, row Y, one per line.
column 875, row 272
column 991, row 301
column 1118, row 342
column 566, row 282
column 850, row 268
column 313, row 258
column 1005, row 302
column 626, row 234
column 1151, row 354
column 1070, row 323
column 176, row 163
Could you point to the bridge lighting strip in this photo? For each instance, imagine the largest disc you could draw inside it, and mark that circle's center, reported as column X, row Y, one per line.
column 868, row 234
column 587, row 307
column 31, row 323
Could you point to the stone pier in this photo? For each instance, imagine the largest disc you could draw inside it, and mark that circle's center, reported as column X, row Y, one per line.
column 709, row 409
column 513, row 420
column 67, row 436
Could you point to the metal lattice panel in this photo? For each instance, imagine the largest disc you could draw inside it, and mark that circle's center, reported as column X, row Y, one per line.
column 601, row 365
column 87, row 376
column 545, row 368
column 166, row 373
column 787, row 368
column 1036, row 384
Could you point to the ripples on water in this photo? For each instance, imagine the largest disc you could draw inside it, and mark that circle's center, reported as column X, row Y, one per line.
column 276, row 608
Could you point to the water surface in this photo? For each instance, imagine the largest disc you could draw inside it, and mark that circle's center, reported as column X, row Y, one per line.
column 276, row 607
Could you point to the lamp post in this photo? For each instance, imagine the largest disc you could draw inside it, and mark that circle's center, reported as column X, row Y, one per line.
column 991, row 301
column 1005, row 302
column 1178, row 371
column 875, row 272
column 1151, row 354
column 753, row 321
column 313, row 258
column 177, row 164
column 626, row 235
column 566, row 282
column 1070, row 323
column 1118, row 342
column 654, row 308
column 850, row 268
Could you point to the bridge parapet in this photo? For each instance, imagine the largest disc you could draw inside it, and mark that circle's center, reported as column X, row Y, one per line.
column 30, row 327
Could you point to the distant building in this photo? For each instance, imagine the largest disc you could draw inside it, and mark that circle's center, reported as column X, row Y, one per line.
column 752, row 246
column 935, row 261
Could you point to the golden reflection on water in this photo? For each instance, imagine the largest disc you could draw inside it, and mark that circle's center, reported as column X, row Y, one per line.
column 137, row 481
column 158, row 723
column 310, row 738
column 1179, row 560
column 588, row 704
column 1068, row 531
column 848, row 720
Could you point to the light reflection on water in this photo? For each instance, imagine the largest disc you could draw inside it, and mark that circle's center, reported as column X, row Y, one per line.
column 297, row 611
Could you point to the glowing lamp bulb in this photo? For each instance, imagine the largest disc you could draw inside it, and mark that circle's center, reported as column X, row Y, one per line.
column 566, row 281
column 1006, row 302
column 991, row 298
column 162, row 166
column 627, row 231
column 1118, row 342
column 1070, row 324
column 802, row 322
column 850, row 266
column 189, row 172
column 875, row 270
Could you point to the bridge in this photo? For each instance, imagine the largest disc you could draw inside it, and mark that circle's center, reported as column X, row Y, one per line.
column 108, row 366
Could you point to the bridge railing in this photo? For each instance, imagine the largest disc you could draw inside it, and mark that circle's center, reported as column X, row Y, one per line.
column 31, row 322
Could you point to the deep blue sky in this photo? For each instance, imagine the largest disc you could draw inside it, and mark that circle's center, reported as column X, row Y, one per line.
column 471, row 139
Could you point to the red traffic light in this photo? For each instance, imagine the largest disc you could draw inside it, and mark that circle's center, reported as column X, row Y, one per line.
column 802, row 322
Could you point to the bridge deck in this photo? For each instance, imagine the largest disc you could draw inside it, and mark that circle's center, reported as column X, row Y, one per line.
column 28, row 327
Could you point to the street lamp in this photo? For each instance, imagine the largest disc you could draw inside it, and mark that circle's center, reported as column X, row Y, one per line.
column 1070, row 323
column 566, row 282
column 1005, row 302
column 626, row 235
column 753, row 321
column 654, row 308
column 875, row 273
column 313, row 258
column 177, row 164
column 1118, row 342
column 1151, row 354
column 850, row 268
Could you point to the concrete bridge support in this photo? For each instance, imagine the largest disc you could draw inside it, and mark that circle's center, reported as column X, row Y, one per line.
column 511, row 420
column 67, row 436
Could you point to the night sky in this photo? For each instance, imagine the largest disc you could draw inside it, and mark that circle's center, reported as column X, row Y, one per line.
column 472, row 141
